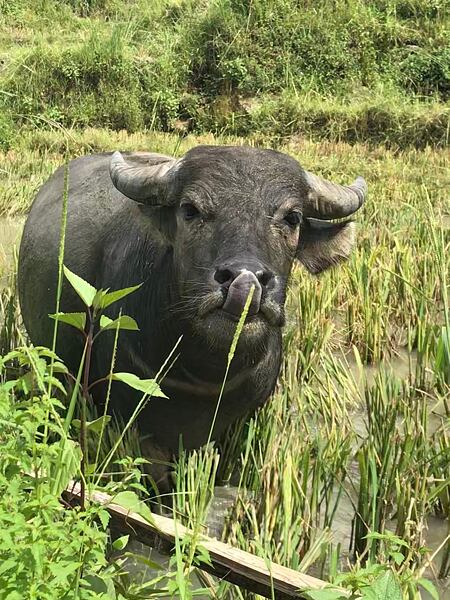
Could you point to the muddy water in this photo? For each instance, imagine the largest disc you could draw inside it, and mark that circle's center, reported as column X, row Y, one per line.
column 435, row 533
column 224, row 498
column 435, row 530
column 10, row 232
column 401, row 365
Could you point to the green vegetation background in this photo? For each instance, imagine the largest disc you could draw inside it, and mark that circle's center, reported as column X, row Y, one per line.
column 344, row 70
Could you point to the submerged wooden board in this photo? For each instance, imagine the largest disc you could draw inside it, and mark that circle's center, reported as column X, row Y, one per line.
column 232, row 564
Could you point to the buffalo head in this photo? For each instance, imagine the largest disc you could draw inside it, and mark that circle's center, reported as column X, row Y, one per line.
column 237, row 217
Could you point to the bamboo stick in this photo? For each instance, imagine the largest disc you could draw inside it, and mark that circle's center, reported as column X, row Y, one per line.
column 232, row 564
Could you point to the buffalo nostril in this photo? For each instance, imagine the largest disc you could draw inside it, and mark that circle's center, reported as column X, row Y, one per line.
column 223, row 276
column 264, row 277
column 238, row 294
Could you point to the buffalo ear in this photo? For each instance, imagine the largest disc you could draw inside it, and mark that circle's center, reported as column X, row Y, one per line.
column 322, row 245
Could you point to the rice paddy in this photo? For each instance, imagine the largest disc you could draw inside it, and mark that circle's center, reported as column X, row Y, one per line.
column 347, row 465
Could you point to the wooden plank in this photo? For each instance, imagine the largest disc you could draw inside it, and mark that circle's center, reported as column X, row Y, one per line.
column 232, row 564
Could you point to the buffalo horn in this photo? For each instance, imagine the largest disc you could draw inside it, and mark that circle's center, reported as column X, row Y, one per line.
column 144, row 180
column 328, row 200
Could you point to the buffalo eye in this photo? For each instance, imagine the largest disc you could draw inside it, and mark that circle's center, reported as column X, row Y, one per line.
column 292, row 219
column 189, row 211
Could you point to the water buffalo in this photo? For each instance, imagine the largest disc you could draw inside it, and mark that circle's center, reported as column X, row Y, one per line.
column 198, row 231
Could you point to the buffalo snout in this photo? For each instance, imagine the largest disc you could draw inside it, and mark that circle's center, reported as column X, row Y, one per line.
column 236, row 283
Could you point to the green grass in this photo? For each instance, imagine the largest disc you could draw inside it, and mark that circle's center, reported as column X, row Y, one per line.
column 374, row 71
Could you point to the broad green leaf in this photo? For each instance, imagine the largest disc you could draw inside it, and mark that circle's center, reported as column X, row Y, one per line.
column 59, row 367
column 94, row 426
column 130, row 501
column 397, row 557
column 77, row 320
column 105, row 321
column 203, row 555
column 104, row 517
column 429, row 587
column 101, row 585
column 123, row 322
column 387, row 537
column 325, row 594
column 85, row 290
column 121, row 542
column 97, row 424
column 368, row 593
column 98, row 298
column 387, row 587
column 126, row 322
column 62, row 571
column 148, row 386
column 26, row 383
column 8, row 565
column 11, row 356
column 55, row 383
column 43, row 351
column 14, row 596
column 9, row 385
column 112, row 297
column 90, row 469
